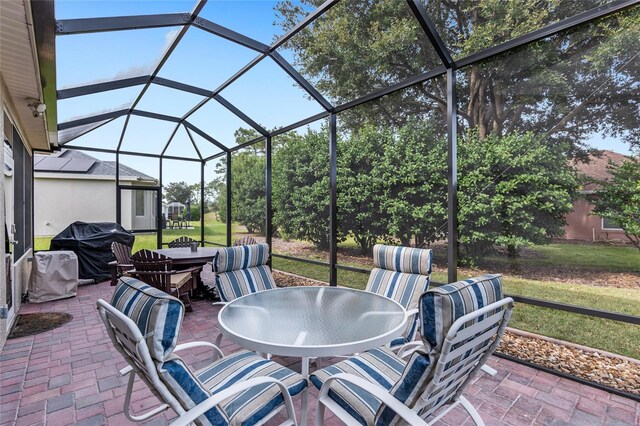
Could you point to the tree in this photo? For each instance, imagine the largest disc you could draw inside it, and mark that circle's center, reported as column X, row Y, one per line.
column 393, row 185
column 248, row 193
column 179, row 192
column 619, row 199
column 361, row 185
column 568, row 86
column 300, row 182
column 513, row 191
column 414, row 169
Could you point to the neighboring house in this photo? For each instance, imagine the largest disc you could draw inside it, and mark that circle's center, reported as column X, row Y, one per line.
column 582, row 224
column 71, row 185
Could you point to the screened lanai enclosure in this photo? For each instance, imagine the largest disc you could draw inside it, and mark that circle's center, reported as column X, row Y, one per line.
column 484, row 130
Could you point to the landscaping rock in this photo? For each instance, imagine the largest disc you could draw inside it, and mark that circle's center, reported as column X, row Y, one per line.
column 618, row 373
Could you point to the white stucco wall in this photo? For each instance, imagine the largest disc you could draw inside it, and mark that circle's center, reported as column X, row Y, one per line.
column 60, row 202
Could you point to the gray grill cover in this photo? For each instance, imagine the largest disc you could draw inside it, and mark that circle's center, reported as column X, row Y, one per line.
column 54, row 276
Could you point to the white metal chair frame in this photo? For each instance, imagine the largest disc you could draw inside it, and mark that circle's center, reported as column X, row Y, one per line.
column 130, row 342
column 445, row 378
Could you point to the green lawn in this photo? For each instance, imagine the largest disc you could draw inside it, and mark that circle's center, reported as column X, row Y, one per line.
column 214, row 232
column 600, row 257
column 603, row 334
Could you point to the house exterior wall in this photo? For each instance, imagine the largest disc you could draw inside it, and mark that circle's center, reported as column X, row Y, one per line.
column 60, row 201
column 19, row 269
column 583, row 225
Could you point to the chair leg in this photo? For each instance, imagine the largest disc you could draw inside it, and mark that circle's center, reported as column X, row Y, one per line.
column 127, row 404
column 187, row 301
column 471, row 410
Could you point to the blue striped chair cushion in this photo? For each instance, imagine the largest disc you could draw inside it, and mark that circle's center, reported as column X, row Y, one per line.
column 409, row 387
column 402, row 259
column 252, row 405
column 440, row 307
column 403, row 288
column 157, row 315
column 234, row 284
column 240, row 257
column 379, row 366
column 188, row 390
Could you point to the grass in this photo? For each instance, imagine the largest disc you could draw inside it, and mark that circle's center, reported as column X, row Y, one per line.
column 598, row 257
column 599, row 333
column 214, row 232
column 612, row 336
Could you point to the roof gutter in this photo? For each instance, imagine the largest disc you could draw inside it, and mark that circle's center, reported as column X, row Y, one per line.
column 41, row 21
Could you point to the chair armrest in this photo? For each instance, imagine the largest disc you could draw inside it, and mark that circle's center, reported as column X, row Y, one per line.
column 134, row 272
column 216, row 399
column 190, row 345
column 377, row 391
column 192, row 269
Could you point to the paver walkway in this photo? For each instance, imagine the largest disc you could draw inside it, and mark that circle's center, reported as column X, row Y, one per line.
column 70, row 376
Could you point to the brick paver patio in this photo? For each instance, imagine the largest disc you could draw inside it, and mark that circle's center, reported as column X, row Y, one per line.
column 70, row 376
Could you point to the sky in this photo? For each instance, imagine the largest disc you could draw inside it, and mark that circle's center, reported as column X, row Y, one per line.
column 266, row 93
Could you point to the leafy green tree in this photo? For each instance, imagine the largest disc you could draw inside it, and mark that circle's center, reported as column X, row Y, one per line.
column 568, row 86
column 619, row 199
column 360, row 185
column 179, row 192
column 393, row 185
column 195, row 212
column 248, row 194
column 300, row 182
column 513, row 191
column 414, row 172
column 248, row 199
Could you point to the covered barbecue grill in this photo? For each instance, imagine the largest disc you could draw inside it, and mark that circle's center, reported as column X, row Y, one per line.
column 92, row 244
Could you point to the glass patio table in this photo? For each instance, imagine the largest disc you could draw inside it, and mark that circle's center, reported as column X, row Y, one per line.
column 310, row 322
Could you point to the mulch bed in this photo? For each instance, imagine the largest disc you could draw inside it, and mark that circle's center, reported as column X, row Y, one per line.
column 29, row 324
column 285, row 279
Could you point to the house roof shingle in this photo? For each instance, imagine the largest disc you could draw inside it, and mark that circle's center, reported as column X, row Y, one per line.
column 98, row 168
column 597, row 168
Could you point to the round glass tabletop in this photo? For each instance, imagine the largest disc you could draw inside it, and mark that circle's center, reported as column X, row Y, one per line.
column 312, row 321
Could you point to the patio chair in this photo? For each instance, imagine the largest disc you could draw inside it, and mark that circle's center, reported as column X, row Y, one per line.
column 461, row 325
column 245, row 241
column 181, row 242
column 157, row 270
column 122, row 264
column 401, row 274
column 144, row 325
column 241, row 270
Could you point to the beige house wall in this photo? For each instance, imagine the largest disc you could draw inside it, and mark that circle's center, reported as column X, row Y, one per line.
column 583, row 225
